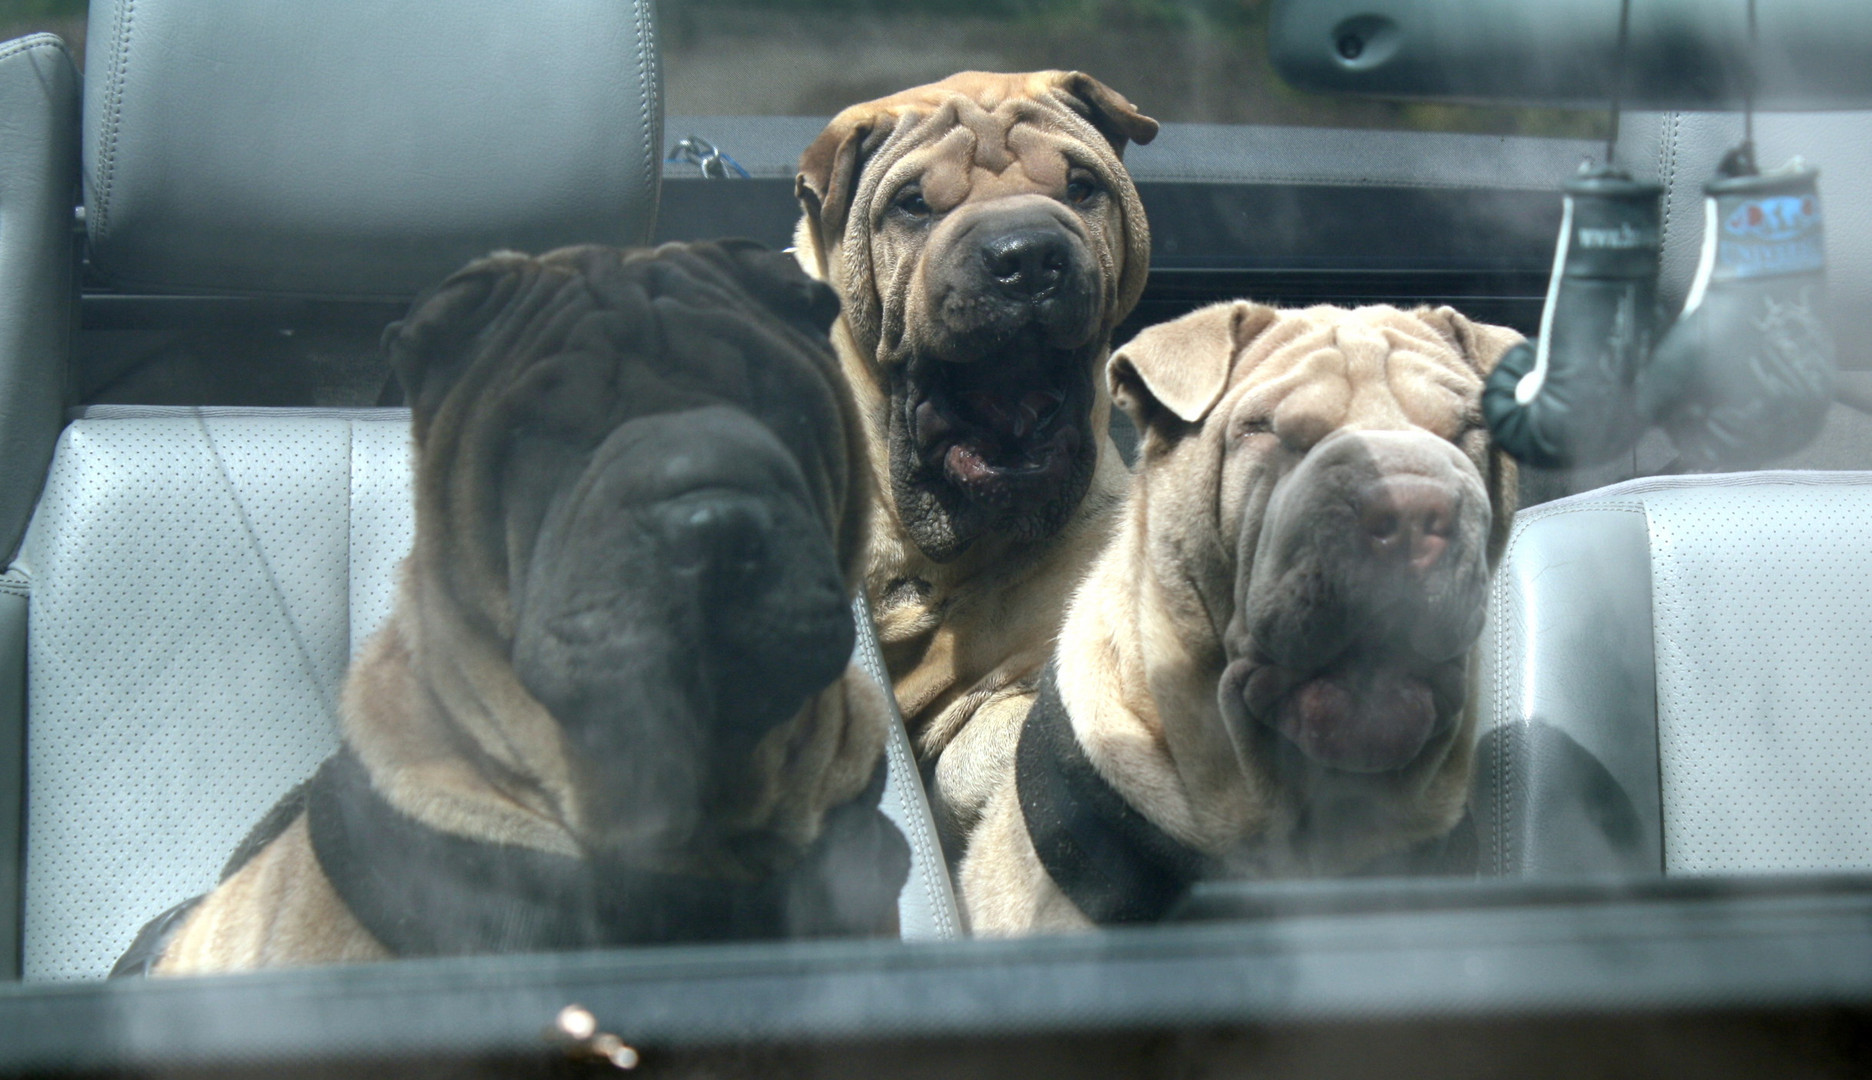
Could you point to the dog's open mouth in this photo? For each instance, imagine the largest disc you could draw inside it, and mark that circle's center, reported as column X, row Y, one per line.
column 997, row 436
column 1364, row 713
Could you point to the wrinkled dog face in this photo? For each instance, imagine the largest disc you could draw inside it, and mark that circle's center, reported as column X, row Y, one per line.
column 683, row 598
column 1364, row 591
column 652, row 452
column 1357, row 504
column 986, row 239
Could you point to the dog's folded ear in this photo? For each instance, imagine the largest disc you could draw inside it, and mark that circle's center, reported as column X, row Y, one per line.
column 1180, row 369
column 429, row 348
column 1482, row 345
column 1479, row 343
column 776, row 279
column 1116, row 118
column 829, row 169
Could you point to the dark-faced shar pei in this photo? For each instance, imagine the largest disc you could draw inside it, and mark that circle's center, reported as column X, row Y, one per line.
column 985, row 240
column 614, row 702
column 1266, row 672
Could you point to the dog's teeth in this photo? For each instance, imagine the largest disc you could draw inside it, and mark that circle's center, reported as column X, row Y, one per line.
column 931, row 425
column 987, row 408
column 1041, row 406
column 1017, row 419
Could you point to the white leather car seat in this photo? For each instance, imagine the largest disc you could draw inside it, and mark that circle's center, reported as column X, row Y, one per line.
column 194, row 581
column 1706, row 638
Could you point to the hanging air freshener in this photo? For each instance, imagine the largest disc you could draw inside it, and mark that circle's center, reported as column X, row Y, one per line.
column 1746, row 374
column 1566, row 398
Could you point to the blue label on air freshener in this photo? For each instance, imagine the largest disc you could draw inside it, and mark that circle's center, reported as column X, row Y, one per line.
column 1779, row 234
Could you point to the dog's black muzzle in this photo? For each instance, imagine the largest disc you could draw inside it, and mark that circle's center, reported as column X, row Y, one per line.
column 683, row 599
column 1019, row 279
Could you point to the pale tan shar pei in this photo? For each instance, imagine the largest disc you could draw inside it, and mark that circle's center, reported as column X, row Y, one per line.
column 1266, row 672
column 985, row 239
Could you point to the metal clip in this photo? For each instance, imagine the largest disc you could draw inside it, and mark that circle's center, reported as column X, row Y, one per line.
column 577, row 1030
column 697, row 151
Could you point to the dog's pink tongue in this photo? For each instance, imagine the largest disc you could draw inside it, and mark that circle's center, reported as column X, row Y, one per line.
column 1373, row 723
column 966, row 463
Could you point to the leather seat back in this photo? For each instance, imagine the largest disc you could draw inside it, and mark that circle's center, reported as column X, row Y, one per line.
column 1704, row 638
column 362, row 148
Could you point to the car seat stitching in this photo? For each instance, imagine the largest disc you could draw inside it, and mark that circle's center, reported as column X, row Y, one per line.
column 1667, row 170
column 31, row 42
column 648, row 93
column 1503, row 842
column 350, row 430
column 929, row 862
column 1657, row 719
column 1501, row 695
column 266, row 565
column 118, row 75
column 931, row 859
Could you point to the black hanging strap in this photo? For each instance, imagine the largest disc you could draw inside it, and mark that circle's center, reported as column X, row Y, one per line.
column 1618, row 81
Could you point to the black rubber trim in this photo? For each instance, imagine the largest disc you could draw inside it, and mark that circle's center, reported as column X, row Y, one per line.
column 1334, row 951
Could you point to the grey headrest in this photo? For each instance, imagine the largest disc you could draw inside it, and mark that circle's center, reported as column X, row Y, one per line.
column 362, row 148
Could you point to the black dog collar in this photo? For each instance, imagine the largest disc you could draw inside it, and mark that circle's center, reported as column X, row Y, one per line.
column 1113, row 862
column 424, row 892
column 1109, row 860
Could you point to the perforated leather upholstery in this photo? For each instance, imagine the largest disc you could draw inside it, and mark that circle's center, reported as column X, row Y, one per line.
column 199, row 580
column 362, row 147
column 1719, row 627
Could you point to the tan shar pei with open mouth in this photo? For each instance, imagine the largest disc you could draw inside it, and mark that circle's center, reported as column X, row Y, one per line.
column 985, row 240
column 614, row 703
column 1266, row 672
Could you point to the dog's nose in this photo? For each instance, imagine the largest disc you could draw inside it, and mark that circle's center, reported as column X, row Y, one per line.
column 1407, row 520
column 723, row 537
column 1028, row 263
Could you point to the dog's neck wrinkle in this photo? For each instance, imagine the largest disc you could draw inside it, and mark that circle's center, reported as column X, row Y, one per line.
column 421, row 761
column 1162, row 746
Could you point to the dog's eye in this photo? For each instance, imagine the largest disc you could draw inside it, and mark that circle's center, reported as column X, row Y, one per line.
column 1261, row 426
column 1081, row 190
column 910, row 202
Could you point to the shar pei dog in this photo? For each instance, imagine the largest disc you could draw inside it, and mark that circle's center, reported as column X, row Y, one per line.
column 1266, row 672
column 984, row 239
column 614, row 701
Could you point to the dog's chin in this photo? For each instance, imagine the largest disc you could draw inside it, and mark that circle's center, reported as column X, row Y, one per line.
column 1363, row 713
column 677, row 841
column 991, row 448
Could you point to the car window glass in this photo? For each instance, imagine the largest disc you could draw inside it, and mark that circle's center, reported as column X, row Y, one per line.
column 1464, row 250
